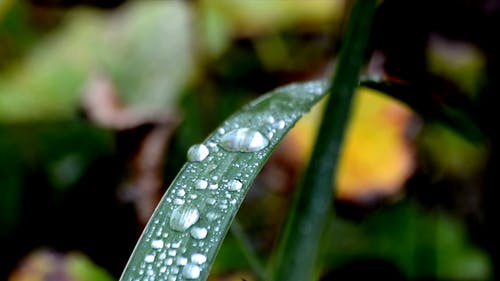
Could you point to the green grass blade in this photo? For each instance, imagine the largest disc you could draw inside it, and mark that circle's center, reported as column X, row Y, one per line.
column 246, row 247
column 187, row 228
column 298, row 250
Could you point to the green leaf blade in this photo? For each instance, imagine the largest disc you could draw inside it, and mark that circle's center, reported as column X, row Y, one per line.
column 187, row 228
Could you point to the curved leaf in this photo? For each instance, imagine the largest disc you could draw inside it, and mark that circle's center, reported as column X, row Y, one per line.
column 184, row 233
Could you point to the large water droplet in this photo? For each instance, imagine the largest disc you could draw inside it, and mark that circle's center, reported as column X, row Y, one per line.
column 191, row 271
column 199, row 232
column 244, row 140
column 183, row 217
column 197, row 152
column 234, row 185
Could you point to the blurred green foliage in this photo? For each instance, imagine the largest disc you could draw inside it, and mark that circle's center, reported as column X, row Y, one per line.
column 200, row 61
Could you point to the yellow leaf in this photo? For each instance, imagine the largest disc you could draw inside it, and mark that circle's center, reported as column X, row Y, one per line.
column 377, row 157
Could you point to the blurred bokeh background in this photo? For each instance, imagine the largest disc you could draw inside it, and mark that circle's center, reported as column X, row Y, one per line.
column 100, row 99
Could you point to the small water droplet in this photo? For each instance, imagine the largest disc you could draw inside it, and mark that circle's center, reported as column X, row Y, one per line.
column 191, row 271
column 212, row 216
column 178, row 201
column 170, row 261
column 182, row 261
column 149, row 258
column 197, row 152
column 221, row 131
column 210, row 200
column 198, row 258
column 244, row 140
column 234, row 185
column 270, row 119
column 211, row 167
column 279, row 124
column 163, row 269
column 183, row 217
column 270, row 134
column 201, row 184
column 176, row 245
column 157, row 244
column 172, row 253
column 181, row 192
column 174, row 270
column 162, row 256
column 199, row 232
column 213, row 146
column 213, row 186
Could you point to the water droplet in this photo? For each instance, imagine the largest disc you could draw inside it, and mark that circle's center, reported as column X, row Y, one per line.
column 197, row 152
column 198, row 258
column 244, row 140
column 221, row 131
column 270, row 134
column 191, row 271
column 172, row 253
column 182, row 261
column 157, row 244
column 213, row 186
column 211, row 167
column 210, row 200
column 212, row 216
column 181, row 192
column 149, row 258
column 234, row 185
column 279, row 124
column 183, row 217
column 174, row 270
column 176, row 245
column 163, row 269
column 199, row 232
column 178, row 201
column 270, row 119
column 201, row 184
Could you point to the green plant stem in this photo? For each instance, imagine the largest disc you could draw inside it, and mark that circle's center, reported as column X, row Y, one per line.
column 298, row 249
column 246, row 247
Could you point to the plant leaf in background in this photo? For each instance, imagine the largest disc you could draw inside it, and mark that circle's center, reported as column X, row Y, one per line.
column 378, row 157
column 44, row 264
column 49, row 83
column 187, row 228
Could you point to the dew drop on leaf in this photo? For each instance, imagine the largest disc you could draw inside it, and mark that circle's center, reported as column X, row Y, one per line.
column 182, row 261
column 197, row 152
column 199, row 232
column 191, row 271
column 198, row 258
column 149, row 258
column 201, row 184
column 157, row 244
column 235, row 185
column 183, row 217
column 244, row 140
